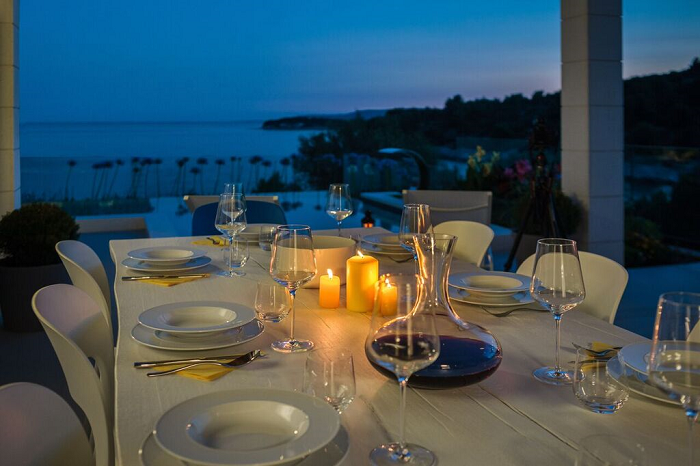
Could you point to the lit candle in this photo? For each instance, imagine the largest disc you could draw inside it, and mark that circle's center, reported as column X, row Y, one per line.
column 388, row 299
column 362, row 273
column 329, row 291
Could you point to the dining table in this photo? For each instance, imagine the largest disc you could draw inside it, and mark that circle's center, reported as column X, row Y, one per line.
column 508, row 419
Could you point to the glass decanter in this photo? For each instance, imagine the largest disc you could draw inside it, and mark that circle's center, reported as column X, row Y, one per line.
column 468, row 352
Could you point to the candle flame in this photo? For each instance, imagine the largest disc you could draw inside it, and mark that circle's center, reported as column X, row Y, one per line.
column 359, row 253
column 387, row 283
column 330, row 273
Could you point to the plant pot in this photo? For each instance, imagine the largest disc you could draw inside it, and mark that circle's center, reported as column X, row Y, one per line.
column 17, row 287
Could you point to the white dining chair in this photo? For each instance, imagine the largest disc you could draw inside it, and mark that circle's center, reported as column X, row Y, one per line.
column 76, row 328
column 38, row 428
column 473, row 239
column 604, row 279
column 87, row 273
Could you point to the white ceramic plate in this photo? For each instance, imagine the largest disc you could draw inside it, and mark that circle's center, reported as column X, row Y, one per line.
column 636, row 356
column 247, row 427
column 333, row 453
column 463, row 296
column 397, row 253
column 636, row 382
column 196, row 317
column 389, row 241
column 490, row 283
column 252, row 231
column 139, row 266
column 172, row 342
column 166, row 255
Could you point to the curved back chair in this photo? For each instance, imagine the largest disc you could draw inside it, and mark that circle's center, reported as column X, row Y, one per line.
column 78, row 334
column 473, row 239
column 256, row 212
column 39, row 428
column 605, row 281
column 87, row 273
column 474, row 206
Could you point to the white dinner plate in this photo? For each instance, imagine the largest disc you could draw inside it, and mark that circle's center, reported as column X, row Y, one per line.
column 175, row 342
column 252, row 231
column 388, row 241
column 490, row 283
column 166, row 255
column 196, row 317
column 331, row 454
column 636, row 356
column 139, row 266
column 247, row 427
column 397, row 253
column 463, row 296
column 636, row 382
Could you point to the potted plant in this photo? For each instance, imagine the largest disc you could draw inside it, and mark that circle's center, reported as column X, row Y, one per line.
column 28, row 259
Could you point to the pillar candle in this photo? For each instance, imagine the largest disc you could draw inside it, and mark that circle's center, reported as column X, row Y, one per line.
column 388, row 299
column 362, row 274
column 329, row 291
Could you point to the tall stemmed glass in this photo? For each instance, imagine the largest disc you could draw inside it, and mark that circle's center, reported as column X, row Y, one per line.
column 403, row 339
column 339, row 203
column 557, row 284
column 415, row 219
column 230, row 220
column 674, row 361
column 292, row 265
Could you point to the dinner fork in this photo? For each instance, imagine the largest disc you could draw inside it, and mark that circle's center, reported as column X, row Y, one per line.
column 239, row 361
column 510, row 311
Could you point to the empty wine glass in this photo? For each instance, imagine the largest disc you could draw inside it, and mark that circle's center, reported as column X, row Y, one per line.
column 329, row 374
column 402, row 339
column 674, row 360
column 272, row 302
column 293, row 264
column 415, row 219
column 557, row 284
column 230, row 220
column 339, row 203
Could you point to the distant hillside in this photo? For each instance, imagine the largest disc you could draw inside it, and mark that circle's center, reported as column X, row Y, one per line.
column 662, row 109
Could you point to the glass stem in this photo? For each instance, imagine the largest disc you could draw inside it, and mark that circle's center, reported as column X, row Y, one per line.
column 339, row 227
column 230, row 256
column 292, row 293
column 557, row 323
column 403, row 382
column 692, row 416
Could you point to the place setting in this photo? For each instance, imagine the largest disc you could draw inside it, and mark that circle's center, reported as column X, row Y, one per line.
column 166, row 265
column 385, row 244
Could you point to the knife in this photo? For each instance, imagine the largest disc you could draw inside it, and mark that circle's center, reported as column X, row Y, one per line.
column 160, row 277
column 147, row 364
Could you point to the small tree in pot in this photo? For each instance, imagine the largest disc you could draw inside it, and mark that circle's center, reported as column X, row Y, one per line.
column 28, row 259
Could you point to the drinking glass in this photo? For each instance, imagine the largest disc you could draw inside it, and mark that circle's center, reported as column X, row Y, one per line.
column 267, row 234
column 230, row 220
column 272, row 302
column 610, row 450
column 403, row 339
column 593, row 385
column 330, row 374
column 557, row 284
column 234, row 188
column 292, row 265
column 339, row 203
column 415, row 219
column 674, row 360
column 236, row 256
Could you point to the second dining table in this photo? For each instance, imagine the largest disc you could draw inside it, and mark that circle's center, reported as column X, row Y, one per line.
column 508, row 419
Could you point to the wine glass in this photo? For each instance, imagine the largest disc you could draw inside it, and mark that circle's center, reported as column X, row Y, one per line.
column 674, row 360
column 329, row 374
column 403, row 339
column 292, row 265
column 557, row 284
column 339, row 203
column 230, row 220
column 415, row 219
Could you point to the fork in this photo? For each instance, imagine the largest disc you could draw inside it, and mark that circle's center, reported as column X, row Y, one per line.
column 510, row 311
column 597, row 353
column 239, row 361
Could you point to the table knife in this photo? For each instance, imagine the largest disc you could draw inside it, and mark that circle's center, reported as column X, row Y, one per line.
column 160, row 277
column 147, row 364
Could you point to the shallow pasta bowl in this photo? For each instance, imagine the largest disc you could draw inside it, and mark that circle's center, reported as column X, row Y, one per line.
column 166, row 255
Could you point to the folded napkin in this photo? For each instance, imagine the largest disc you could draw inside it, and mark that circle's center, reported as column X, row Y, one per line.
column 171, row 281
column 215, row 241
column 205, row 372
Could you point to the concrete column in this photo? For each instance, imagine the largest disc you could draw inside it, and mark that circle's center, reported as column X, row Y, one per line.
column 9, row 106
column 592, row 111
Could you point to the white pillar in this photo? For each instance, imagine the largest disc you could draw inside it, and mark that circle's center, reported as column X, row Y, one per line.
column 592, row 111
column 9, row 106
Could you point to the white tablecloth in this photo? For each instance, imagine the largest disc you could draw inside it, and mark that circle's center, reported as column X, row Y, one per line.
column 509, row 419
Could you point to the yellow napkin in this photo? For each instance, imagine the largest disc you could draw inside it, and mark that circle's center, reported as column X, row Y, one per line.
column 220, row 242
column 600, row 346
column 171, row 281
column 205, row 373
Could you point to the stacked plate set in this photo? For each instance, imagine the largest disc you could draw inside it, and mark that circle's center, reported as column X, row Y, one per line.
column 386, row 244
column 262, row 427
column 635, row 372
column 196, row 326
column 491, row 289
column 165, row 259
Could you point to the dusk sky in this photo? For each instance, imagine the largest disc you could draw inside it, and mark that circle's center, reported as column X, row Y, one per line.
column 185, row 60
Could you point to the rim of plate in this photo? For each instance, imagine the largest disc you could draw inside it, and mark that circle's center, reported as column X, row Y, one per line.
column 172, row 434
column 636, row 356
column 457, row 280
column 151, row 317
column 142, row 254
column 139, row 266
column 463, row 296
column 378, row 240
column 171, row 342
column 376, row 249
column 635, row 385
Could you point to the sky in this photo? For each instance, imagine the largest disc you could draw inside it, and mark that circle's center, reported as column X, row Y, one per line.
column 217, row 60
